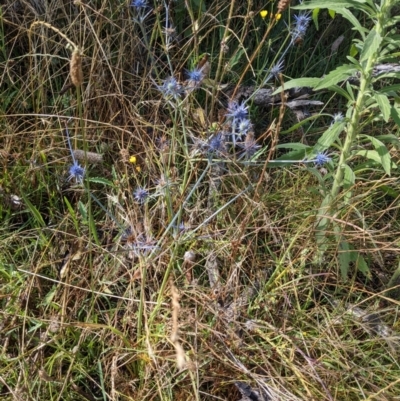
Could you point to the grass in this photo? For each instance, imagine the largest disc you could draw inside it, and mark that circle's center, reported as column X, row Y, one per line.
column 212, row 279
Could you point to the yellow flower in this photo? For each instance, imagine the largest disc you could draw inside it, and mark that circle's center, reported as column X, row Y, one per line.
column 138, row 169
column 263, row 13
column 132, row 159
column 278, row 16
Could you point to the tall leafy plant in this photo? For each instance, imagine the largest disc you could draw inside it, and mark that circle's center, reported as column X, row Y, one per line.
column 358, row 81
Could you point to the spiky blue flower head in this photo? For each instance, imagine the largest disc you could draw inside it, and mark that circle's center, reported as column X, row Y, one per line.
column 244, row 126
column 170, row 88
column 299, row 30
column 139, row 4
column 277, row 69
column 237, row 111
column 216, row 143
column 321, row 158
column 140, row 194
column 302, row 20
column 196, row 76
column 76, row 171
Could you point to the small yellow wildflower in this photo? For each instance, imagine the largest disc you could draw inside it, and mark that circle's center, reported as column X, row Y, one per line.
column 278, row 16
column 138, row 169
column 263, row 13
column 132, row 159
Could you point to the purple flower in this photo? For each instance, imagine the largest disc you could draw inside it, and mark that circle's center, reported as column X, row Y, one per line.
column 320, row 159
column 237, row 111
column 275, row 71
column 140, row 194
column 170, row 88
column 300, row 26
column 76, row 171
column 244, row 127
column 216, row 144
column 196, row 76
column 139, row 4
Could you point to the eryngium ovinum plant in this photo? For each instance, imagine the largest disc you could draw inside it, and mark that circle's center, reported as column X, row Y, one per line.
column 359, row 81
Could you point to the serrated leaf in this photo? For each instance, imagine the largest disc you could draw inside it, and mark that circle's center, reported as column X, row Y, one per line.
column 371, row 45
column 384, row 105
column 101, row 180
column 298, row 83
column 338, row 75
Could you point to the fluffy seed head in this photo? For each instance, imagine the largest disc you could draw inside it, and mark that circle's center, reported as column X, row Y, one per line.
column 75, row 68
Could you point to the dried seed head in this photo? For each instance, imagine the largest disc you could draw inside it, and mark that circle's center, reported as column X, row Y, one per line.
column 90, row 157
column 282, row 6
column 75, row 68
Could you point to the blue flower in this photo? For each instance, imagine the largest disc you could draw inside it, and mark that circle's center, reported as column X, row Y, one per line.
column 237, row 111
column 139, row 4
column 216, row 144
column 196, row 76
column 170, row 88
column 244, row 127
column 300, row 27
column 320, row 159
column 275, row 71
column 140, row 194
column 76, row 171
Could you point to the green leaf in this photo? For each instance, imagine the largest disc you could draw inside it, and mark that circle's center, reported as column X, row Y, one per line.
column 83, row 211
column 329, row 137
column 361, row 264
column 382, row 152
column 371, row 45
column 101, row 180
column 298, row 83
column 389, row 138
column 339, row 6
column 376, row 157
column 353, row 50
column 35, row 212
column 72, row 214
column 384, row 105
column 338, row 75
column 331, row 5
column 315, row 17
column 394, row 112
column 342, row 92
column 294, row 145
column 332, row 13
